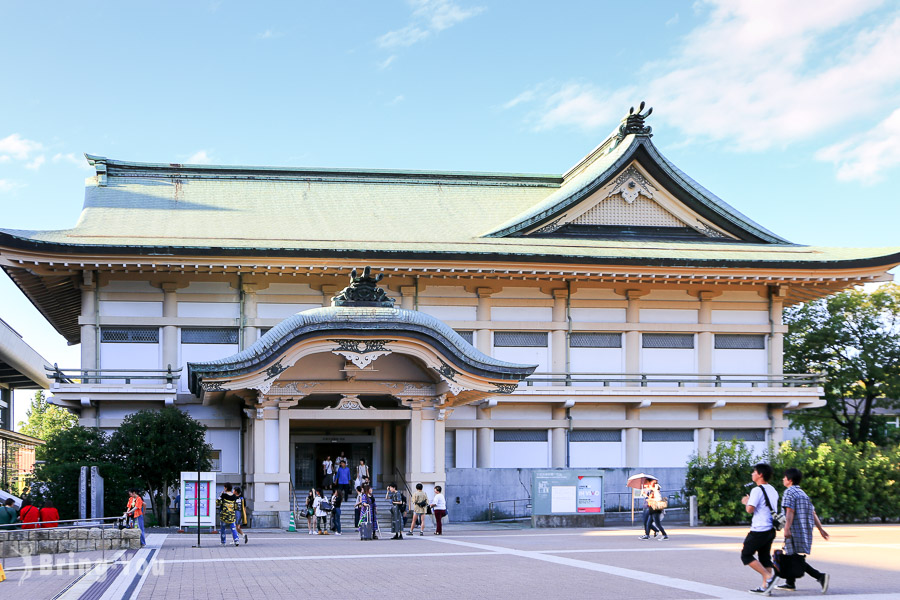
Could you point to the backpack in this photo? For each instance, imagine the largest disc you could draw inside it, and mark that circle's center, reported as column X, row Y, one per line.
column 226, row 510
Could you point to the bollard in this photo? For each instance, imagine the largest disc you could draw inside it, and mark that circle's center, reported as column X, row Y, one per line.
column 692, row 511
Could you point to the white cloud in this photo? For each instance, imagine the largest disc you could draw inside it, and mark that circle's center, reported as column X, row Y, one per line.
column 387, row 62
column 72, row 158
column 200, row 157
column 7, row 186
column 397, row 100
column 863, row 157
column 673, row 21
column 17, row 147
column 269, row 34
column 755, row 74
column 36, row 163
column 428, row 17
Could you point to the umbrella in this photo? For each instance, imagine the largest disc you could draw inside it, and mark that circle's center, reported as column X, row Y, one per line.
column 638, row 481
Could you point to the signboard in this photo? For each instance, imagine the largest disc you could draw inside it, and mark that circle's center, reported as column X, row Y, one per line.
column 198, row 498
column 567, row 492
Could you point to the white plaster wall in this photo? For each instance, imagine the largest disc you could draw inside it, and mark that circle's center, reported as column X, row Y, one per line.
column 200, row 353
column 120, row 285
column 668, row 315
column 740, row 317
column 597, row 411
column 738, row 412
column 449, row 313
column 120, row 410
column 130, row 356
column 521, row 411
column 427, row 449
column 464, row 412
column 597, row 455
column 666, row 454
column 209, row 287
column 229, row 442
column 111, row 308
column 217, row 310
column 465, row 448
column 273, row 310
column 531, row 455
column 597, row 315
column 272, row 445
column 526, row 356
column 521, row 313
column 295, row 289
column 668, row 360
column 270, row 492
column 521, row 292
column 445, row 291
column 596, row 360
column 743, row 362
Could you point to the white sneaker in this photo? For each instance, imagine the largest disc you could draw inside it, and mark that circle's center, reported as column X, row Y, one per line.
column 337, row 533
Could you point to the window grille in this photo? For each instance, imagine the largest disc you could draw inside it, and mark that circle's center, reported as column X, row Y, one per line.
column 591, row 339
column 684, row 341
column 469, row 336
column 520, row 339
column 209, row 335
column 748, row 435
column 264, row 330
column 595, row 435
column 520, row 435
column 129, row 335
column 734, row 341
column 668, row 435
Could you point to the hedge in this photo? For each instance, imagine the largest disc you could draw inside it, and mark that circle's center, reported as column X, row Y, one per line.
column 846, row 482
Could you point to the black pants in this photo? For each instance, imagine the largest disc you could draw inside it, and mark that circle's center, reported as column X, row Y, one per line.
column 809, row 571
column 760, row 543
column 653, row 522
column 645, row 518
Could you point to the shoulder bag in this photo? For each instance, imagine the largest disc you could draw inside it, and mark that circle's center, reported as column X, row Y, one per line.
column 779, row 518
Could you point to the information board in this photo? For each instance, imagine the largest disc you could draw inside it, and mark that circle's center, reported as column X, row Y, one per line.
column 196, row 498
column 567, row 491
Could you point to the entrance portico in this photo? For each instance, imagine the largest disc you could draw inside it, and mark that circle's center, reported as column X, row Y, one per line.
column 383, row 376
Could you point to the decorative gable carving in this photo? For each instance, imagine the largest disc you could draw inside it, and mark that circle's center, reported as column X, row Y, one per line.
column 617, row 210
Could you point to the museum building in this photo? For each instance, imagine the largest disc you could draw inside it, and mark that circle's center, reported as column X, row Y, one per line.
column 617, row 315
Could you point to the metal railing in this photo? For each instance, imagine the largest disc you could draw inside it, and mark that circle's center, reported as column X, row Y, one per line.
column 70, row 376
column 677, row 379
column 676, row 499
column 509, row 510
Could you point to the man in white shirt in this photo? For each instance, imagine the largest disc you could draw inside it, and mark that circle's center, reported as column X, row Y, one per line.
column 760, row 503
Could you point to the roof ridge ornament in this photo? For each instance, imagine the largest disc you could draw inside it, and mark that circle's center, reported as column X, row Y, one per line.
column 363, row 291
column 633, row 123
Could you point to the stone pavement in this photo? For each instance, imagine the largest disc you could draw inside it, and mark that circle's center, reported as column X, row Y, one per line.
column 469, row 561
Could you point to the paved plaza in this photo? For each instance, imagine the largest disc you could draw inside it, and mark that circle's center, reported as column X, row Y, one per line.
column 469, row 561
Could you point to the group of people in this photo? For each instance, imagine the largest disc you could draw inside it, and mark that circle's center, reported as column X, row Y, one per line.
column 29, row 516
column 652, row 514
column 232, row 514
column 799, row 519
column 336, row 475
column 320, row 507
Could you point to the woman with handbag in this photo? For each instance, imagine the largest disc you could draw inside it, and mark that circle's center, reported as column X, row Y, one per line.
column 657, row 504
column 321, row 513
column 310, row 511
column 420, row 508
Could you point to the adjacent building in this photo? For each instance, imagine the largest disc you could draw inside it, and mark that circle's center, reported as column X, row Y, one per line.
column 616, row 315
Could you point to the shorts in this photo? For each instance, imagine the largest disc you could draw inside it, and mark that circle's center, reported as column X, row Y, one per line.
column 758, row 542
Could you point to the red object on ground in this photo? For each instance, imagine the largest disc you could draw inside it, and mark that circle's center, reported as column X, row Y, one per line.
column 49, row 516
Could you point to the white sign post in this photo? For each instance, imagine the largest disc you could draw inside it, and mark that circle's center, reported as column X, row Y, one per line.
column 198, row 506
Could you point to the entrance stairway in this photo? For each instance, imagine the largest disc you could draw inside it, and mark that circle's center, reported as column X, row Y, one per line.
column 382, row 512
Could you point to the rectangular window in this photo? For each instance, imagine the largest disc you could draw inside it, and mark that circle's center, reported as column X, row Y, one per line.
column 729, row 341
column 209, row 335
column 520, row 339
column 215, row 460
column 592, row 339
column 668, row 435
column 129, row 335
column 683, row 341
column 595, row 435
column 748, row 435
column 469, row 336
column 450, row 449
column 520, row 435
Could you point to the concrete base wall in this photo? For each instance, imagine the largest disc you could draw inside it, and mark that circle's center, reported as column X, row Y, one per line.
column 476, row 488
column 568, row 520
column 29, row 542
column 272, row 519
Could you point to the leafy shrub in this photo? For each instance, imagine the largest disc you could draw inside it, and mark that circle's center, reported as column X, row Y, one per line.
column 717, row 480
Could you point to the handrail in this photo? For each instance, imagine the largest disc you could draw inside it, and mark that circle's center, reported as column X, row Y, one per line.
column 680, row 379
column 403, row 480
column 515, row 503
column 95, row 375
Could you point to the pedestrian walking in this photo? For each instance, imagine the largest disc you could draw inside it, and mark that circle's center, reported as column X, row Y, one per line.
column 336, row 502
column 8, row 515
column 321, row 514
column 240, row 511
column 135, row 511
column 357, row 505
column 398, row 502
column 49, row 515
column 762, row 503
column 228, row 514
column 29, row 515
column 420, row 509
column 798, row 528
column 365, row 521
column 310, row 511
column 439, row 507
column 645, row 514
column 655, row 506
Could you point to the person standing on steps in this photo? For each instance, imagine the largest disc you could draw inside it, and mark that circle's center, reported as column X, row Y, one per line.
column 420, row 508
column 310, row 511
column 761, row 503
column 327, row 473
column 342, row 477
column 362, row 473
column 396, row 499
column 336, row 501
column 798, row 528
column 321, row 514
column 439, row 506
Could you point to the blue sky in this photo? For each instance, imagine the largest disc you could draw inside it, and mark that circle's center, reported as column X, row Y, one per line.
column 789, row 111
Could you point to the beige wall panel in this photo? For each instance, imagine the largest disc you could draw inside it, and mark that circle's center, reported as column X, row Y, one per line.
column 598, row 411
column 445, row 291
column 669, row 412
column 209, row 287
column 595, row 294
column 668, row 295
column 521, row 292
column 289, row 289
column 504, row 413
column 738, row 412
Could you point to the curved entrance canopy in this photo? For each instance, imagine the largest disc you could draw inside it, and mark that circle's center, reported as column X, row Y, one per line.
column 354, row 350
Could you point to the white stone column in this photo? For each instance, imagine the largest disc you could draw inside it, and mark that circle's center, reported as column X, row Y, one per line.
column 483, row 314
column 90, row 358
column 408, row 297
column 558, row 439
column 705, row 430
column 632, row 438
column 414, row 460
column 633, row 338
column 705, row 338
column 387, row 452
column 440, row 450
column 249, row 333
column 776, row 340
column 558, row 342
column 778, row 423
column 484, row 440
column 328, row 292
column 170, row 332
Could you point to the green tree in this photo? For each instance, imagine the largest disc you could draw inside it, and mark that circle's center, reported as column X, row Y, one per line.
column 43, row 420
column 155, row 446
column 853, row 338
column 718, row 479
